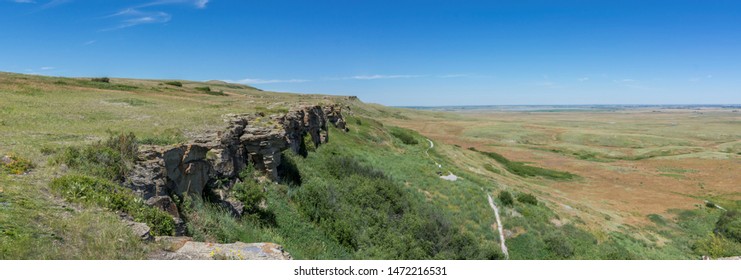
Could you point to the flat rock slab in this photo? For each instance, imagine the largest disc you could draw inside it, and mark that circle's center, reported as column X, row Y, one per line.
column 182, row 248
column 450, row 177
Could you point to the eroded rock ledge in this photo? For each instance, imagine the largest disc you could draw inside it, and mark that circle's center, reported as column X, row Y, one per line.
column 219, row 156
column 183, row 248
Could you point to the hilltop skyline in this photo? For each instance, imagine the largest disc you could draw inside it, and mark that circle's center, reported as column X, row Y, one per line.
column 400, row 53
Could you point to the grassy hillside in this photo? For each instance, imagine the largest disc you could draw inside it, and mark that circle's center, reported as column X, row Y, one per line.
column 373, row 192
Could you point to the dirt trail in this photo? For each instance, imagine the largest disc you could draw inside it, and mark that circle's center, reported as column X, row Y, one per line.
column 499, row 226
column 432, row 145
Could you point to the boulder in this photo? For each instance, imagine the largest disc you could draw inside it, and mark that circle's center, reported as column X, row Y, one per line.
column 166, row 204
column 141, row 230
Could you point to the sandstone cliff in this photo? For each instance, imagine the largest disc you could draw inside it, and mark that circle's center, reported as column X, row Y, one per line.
column 214, row 159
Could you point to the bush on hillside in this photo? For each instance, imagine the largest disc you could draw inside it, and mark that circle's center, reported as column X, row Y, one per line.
column 527, row 198
column 110, row 159
column 101, row 80
column 506, row 198
column 174, row 83
column 729, row 225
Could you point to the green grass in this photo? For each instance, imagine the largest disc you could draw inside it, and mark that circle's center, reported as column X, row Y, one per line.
column 130, row 101
column 102, row 193
column 404, row 135
column 110, row 159
column 524, row 170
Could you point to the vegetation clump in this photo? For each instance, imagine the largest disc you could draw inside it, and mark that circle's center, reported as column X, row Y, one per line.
column 729, row 225
column 110, row 159
column 404, row 135
column 523, row 170
column 101, row 80
column 506, row 198
column 16, row 165
column 109, row 195
column 527, row 198
column 207, row 90
column 174, row 83
column 249, row 191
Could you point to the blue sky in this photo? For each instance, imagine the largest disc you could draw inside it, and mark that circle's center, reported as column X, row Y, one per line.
column 395, row 52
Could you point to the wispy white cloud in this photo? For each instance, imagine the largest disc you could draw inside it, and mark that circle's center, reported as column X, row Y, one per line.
column 583, row 79
column 454, row 76
column 138, row 15
column 47, row 68
column 698, row 79
column 54, row 3
column 133, row 17
column 252, row 81
column 376, row 77
column 201, row 4
column 23, row 1
column 89, row 42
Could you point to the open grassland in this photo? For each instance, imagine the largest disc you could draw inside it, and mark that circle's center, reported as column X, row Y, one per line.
column 633, row 165
column 625, row 184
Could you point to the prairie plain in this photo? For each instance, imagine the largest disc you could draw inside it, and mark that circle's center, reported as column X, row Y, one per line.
column 632, row 161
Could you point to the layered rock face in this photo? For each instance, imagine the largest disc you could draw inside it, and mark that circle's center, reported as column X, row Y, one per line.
column 219, row 156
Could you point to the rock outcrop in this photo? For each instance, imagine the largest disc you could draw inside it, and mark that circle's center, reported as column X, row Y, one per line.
column 215, row 158
column 183, row 248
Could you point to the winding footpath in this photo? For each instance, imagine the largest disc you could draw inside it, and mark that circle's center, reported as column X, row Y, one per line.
column 494, row 207
column 432, row 145
column 499, row 226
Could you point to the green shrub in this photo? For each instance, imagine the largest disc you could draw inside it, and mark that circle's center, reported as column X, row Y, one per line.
column 709, row 204
column 729, row 225
column 250, row 193
column 106, row 194
column 174, row 83
column 506, row 198
column 404, row 135
column 15, row 165
column 557, row 244
column 110, row 159
column 527, row 198
column 101, row 80
column 206, row 89
column 716, row 246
